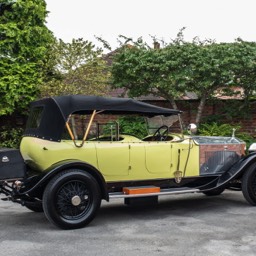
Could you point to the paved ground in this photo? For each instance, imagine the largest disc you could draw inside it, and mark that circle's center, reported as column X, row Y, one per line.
column 193, row 225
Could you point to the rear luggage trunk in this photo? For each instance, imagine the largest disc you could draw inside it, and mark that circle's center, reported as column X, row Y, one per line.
column 12, row 165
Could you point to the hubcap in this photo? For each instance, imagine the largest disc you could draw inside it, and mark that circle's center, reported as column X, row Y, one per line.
column 76, row 200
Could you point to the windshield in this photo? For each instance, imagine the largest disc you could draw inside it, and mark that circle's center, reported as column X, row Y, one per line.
column 155, row 122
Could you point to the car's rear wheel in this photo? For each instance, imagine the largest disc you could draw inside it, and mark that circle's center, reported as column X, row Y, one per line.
column 249, row 184
column 71, row 199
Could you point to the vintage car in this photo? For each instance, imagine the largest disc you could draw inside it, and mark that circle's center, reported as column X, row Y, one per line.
column 69, row 160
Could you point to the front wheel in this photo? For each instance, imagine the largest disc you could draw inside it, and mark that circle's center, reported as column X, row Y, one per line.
column 71, row 199
column 249, row 184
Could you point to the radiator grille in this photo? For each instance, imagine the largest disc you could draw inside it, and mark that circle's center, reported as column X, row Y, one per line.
column 218, row 161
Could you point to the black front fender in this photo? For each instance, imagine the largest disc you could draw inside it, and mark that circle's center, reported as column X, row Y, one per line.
column 237, row 170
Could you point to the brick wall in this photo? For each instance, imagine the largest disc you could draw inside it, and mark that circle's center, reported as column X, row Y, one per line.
column 225, row 111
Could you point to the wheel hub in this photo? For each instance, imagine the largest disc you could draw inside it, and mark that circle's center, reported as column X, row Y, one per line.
column 76, row 200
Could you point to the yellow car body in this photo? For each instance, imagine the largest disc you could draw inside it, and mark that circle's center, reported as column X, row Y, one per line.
column 129, row 159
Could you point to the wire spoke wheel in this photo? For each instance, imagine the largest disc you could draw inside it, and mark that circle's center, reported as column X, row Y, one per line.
column 71, row 199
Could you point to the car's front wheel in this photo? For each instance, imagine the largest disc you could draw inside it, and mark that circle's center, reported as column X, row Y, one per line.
column 249, row 184
column 71, row 199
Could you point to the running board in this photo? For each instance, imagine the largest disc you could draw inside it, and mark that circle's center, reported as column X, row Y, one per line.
column 162, row 192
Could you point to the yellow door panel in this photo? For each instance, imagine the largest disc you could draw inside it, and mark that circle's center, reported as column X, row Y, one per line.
column 158, row 157
column 185, row 157
column 113, row 159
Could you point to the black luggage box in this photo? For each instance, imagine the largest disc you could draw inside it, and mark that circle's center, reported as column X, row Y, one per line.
column 12, row 165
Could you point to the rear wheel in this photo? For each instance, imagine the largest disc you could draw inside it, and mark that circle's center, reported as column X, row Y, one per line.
column 249, row 184
column 71, row 199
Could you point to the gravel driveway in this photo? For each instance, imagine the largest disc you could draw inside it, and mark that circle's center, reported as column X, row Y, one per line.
column 193, row 225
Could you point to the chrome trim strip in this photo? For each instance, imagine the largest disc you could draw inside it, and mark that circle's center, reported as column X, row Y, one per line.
column 161, row 193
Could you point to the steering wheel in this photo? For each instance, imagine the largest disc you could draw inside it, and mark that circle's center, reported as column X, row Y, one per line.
column 161, row 136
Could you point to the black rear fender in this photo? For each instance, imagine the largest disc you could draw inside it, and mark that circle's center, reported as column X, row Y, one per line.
column 36, row 185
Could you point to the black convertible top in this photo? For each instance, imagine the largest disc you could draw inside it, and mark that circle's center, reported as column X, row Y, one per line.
column 53, row 112
column 86, row 104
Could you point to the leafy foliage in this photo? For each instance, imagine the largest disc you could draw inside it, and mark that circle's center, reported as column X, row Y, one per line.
column 78, row 68
column 24, row 40
column 144, row 70
column 216, row 129
column 10, row 137
column 203, row 67
column 133, row 125
column 244, row 66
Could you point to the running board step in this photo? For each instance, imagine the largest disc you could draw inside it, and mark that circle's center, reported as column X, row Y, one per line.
column 144, row 191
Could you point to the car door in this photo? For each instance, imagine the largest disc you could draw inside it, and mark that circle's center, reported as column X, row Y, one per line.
column 158, row 157
column 113, row 158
